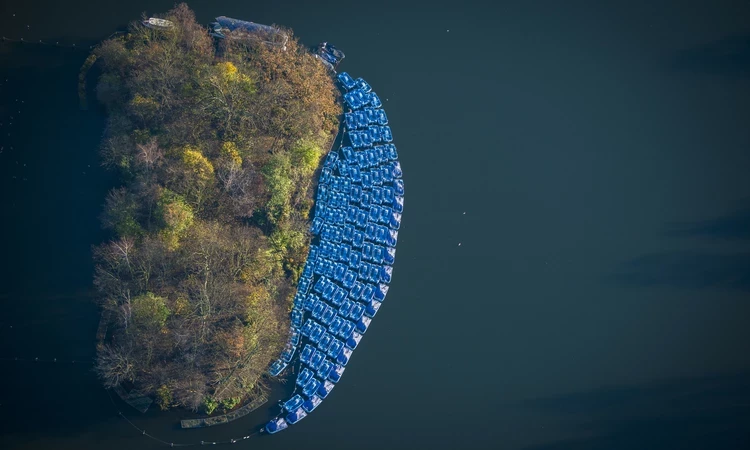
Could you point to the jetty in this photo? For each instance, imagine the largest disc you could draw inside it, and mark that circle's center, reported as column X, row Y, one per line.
column 256, row 403
column 358, row 208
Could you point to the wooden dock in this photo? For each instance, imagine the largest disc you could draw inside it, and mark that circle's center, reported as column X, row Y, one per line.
column 225, row 418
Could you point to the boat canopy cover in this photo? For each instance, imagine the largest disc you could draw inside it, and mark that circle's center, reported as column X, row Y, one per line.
column 277, row 367
column 325, row 389
column 296, row 416
column 336, row 372
column 312, row 403
column 347, row 80
column 316, row 360
column 325, row 369
column 294, row 403
column 311, row 387
column 306, row 353
column 304, row 376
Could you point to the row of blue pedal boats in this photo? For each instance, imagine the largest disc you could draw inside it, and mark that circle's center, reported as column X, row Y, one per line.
column 346, row 277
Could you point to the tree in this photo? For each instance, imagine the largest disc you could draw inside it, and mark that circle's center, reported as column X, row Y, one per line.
column 225, row 92
column 150, row 311
column 280, row 187
column 306, row 156
column 113, row 365
column 164, row 397
column 175, row 217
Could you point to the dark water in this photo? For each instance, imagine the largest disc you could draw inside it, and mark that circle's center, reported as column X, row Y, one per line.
column 592, row 161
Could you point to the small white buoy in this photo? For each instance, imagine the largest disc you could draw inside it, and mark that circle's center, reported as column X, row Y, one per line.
column 464, row 213
column 447, row 31
column 459, row 244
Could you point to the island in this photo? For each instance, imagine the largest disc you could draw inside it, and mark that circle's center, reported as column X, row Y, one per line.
column 217, row 143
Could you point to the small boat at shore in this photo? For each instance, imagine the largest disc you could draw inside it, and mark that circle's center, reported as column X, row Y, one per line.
column 329, row 55
column 228, row 28
column 157, row 24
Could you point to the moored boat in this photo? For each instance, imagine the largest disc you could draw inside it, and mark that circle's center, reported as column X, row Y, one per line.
column 228, row 28
column 296, row 416
column 329, row 55
column 276, row 425
column 158, row 24
column 312, row 403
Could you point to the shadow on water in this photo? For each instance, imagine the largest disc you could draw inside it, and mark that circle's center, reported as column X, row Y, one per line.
column 686, row 413
column 686, row 269
column 695, row 269
column 729, row 57
column 735, row 225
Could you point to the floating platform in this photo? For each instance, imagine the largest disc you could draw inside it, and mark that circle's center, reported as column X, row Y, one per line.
column 135, row 399
column 358, row 210
column 225, row 418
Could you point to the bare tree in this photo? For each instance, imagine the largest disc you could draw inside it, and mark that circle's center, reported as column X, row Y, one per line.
column 114, row 365
column 149, row 154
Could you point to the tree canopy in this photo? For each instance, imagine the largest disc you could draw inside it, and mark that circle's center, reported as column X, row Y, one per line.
column 217, row 145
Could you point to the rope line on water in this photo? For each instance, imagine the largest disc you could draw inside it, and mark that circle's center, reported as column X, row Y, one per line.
column 84, row 360
column 41, row 42
column 175, row 444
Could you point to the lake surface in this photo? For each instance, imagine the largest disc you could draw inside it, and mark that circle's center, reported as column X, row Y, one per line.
column 573, row 268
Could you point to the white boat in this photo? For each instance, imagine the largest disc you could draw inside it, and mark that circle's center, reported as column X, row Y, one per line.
column 158, row 24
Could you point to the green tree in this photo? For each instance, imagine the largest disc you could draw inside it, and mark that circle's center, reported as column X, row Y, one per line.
column 121, row 213
column 280, row 187
column 210, row 405
column 306, row 155
column 225, row 92
column 198, row 165
column 164, row 397
column 149, row 311
column 175, row 216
